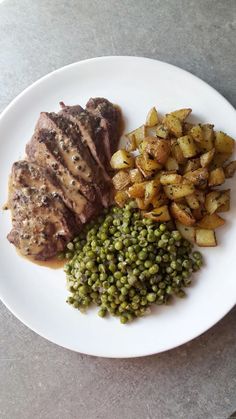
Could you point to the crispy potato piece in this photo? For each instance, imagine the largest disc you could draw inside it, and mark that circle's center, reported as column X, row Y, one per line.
column 172, row 164
column 152, row 118
column 182, row 114
column 139, row 133
column 170, row 178
column 162, row 131
column 121, row 159
column 219, row 159
column 176, row 151
column 173, row 125
column 215, row 199
column 208, row 137
column 197, row 133
column 132, row 145
column 230, row 169
column 159, row 214
column 186, row 232
column 205, row 238
column 224, row 207
column 198, row 177
column 159, row 200
column 198, row 213
column 140, row 164
column 121, row 180
column 121, row 197
column 137, row 190
column 182, row 213
column 187, row 126
column 192, row 165
column 211, row 221
column 206, row 158
column 200, row 195
column 224, row 143
column 141, row 203
column 216, row 177
column 151, row 189
column 149, row 162
column 192, row 201
column 187, row 146
column 136, row 176
column 158, row 148
column 174, row 192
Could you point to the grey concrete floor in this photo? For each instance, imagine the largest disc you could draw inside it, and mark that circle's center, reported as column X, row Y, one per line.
column 38, row 379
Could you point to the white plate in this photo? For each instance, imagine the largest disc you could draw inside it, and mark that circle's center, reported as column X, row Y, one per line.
column 35, row 294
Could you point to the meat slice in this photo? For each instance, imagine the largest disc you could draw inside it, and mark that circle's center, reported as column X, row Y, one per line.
column 93, row 135
column 42, row 224
column 43, row 149
column 76, row 155
column 110, row 121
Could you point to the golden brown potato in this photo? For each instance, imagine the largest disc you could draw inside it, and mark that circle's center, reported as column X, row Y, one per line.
column 141, row 203
column 197, row 133
column 122, row 160
column 173, row 125
column 188, row 146
column 151, row 190
column 224, row 143
column 121, row 197
column 186, row 232
column 192, row 201
column 160, row 199
column 139, row 133
column 182, row 114
column 205, row 238
column 158, row 148
column 187, row 126
column 121, row 180
column 137, row 190
column 182, row 213
column 150, row 162
column 162, row 131
column 176, row 151
column 172, row 164
column 170, row 178
column 198, row 177
column 206, row 158
column 198, row 213
column 208, row 137
column 211, row 221
column 200, row 195
column 174, row 192
column 219, row 159
column 140, row 164
column 215, row 199
column 160, row 214
column 152, row 117
column 216, row 177
column 132, row 145
column 136, row 176
column 191, row 165
column 230, row 169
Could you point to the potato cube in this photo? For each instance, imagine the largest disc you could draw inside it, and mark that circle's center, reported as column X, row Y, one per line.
column 160, row 214
column 170, row 178
column 121, row 159
column 173, row 125
column 137, row 190
column 207, row 157
column 174, row 192
column 182, row 213
column 205, row 238
column 224, row 143
column 216, row 177
column 121, row 197
column 192, row 201
column 182, row 114
column 208, row 137
column 139, row 133
column 162, row 131
column 121, row 180
column 230, row 169
column 158, row 148
column 211, row 221
column 135, row 176
column 198, row 177
column 172, row 164
column 177, row 152
column 187, row 232
column 152, row 117
column 197, row 133
column 187, row 146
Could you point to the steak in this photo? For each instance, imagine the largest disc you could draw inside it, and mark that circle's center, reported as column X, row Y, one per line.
column 64, row 180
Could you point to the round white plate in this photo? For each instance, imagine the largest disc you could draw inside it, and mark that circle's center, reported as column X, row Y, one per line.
column 35, row 294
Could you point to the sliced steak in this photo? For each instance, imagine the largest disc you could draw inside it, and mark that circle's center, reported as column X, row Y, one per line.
column 92, row 134
column 43, row 149
column 42, row 224
column 76, row 155
column 110, row 121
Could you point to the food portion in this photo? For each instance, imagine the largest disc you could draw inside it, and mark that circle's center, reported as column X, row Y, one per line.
column 124, row 263
column 65, row 179
column 172, row 169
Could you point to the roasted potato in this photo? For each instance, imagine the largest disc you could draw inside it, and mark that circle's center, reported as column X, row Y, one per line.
column 121, row 180
column 198, row 177
column 182, row 213
column 121, row 197
column 182, row 114
column 219, row 159
column 188, row 146
column 205, row 238
column 216, row 177
column 174, row 192
column 160, row 214
column 122, row 160
column 152, row 118
column 177, row 152
column 191, row 165
column 141, row 165
column 206, row 158
column 162, row 131
column 172, row 164
column 211, row 221
column 132, row 145
column 141, row 203
column 224, row 143
column 196, row 133
column 151, row 189
column 136, row 176
column 150, row 163
column 208, row 137
column 159, row 200
column 192, row 201
column 186, row 232
column 173, row 124
column 137, row 190
column 139, row 133
column 158, row 148
column 215, row 199
column 230, row 169
column 170, row 179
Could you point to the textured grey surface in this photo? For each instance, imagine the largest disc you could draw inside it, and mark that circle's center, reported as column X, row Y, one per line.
column 37, row 378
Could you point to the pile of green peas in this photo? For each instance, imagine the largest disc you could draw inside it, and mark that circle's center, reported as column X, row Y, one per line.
column 124, row 263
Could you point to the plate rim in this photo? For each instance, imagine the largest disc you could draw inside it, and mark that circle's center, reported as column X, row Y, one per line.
column 14, row 102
